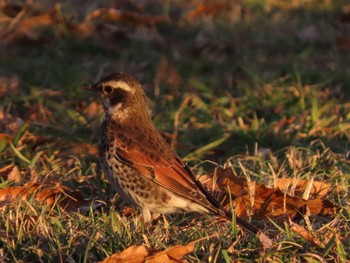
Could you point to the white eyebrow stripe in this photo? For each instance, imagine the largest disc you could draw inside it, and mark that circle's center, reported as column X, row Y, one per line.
column 120, row 84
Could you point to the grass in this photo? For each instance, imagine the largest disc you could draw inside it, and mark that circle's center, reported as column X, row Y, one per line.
column 269, row 89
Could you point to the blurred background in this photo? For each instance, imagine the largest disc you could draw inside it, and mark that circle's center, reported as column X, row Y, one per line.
column 260, row 85
column 273, row 72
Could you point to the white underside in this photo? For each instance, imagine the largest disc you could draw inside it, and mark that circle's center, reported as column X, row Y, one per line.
column 175, row 204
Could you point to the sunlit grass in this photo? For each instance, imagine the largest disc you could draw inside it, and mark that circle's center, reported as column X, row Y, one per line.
column 254, row 90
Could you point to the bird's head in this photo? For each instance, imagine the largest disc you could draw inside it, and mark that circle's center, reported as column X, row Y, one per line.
column 120, row 94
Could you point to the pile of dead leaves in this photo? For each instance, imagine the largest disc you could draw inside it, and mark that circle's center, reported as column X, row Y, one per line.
column 48, row 194
column 290, row 198
column 263, row 202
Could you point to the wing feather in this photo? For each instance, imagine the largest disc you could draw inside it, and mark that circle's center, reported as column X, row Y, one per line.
column 174, row 176
column 147, row 152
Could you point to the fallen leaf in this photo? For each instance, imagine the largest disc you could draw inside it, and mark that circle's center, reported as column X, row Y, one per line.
column 207, row 9
column 219, row 179
column 10, row 124
column 172, row 255
column 267, row 202
column 306, row 234
column 9, row 85
column 127, row 17
column 68, row 148
column 28, row 29
column 275, row 203
column 10, row 172
column 140, row 254
column 133, row 254
column 84, row 29
column 128, row 211
column 47, row 194
column 265, row 241
column 39, row 114
column 93, row 110
column 318, row 189
column 79, row 149
column 111, row 35
column 9, row 195
column 34, row 140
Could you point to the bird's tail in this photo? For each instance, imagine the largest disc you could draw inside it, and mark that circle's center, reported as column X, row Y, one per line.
column 240, row 221
column 216, row 208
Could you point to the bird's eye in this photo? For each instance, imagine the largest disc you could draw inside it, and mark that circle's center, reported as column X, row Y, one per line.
column 107, row 89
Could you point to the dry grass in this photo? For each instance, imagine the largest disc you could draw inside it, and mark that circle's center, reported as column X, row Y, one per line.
column 268, row 89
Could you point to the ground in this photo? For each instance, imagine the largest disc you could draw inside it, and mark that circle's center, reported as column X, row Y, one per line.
column 259, row 86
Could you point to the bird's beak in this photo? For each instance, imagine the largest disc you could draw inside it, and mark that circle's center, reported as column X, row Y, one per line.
column 91, row 87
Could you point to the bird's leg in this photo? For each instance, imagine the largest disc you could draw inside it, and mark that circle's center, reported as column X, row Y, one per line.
column 146, row 214
column 149, row 217
column 155, row 216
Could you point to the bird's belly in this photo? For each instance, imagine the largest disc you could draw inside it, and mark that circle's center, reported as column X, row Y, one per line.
column 173, row 204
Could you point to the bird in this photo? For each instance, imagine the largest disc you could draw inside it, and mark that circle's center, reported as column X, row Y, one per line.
column 138, row 162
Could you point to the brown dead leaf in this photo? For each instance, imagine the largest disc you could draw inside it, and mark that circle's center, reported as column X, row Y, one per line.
column 133, row 254
column 219, row 179
column 283, row 123
column 84, row 29
column 130, row 18
column 139, row 254
column 79, row 149
column 9, row 85
column 306, row 234
column 111, row 35
column 11, row 173
column 39, row 114
column 265, row 241
column 93, row 110
column 318, row 189
column 10, row 194
column 207, row 9
column 172, row 255
column 28, row 29
column 268, row 202
column 10, row 124
column 128, row 211
column 47, row 194
column 69, row 148
column 34, row 140
column 275, row 203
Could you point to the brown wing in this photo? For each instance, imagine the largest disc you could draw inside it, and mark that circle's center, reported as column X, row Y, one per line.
column 153, row 158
